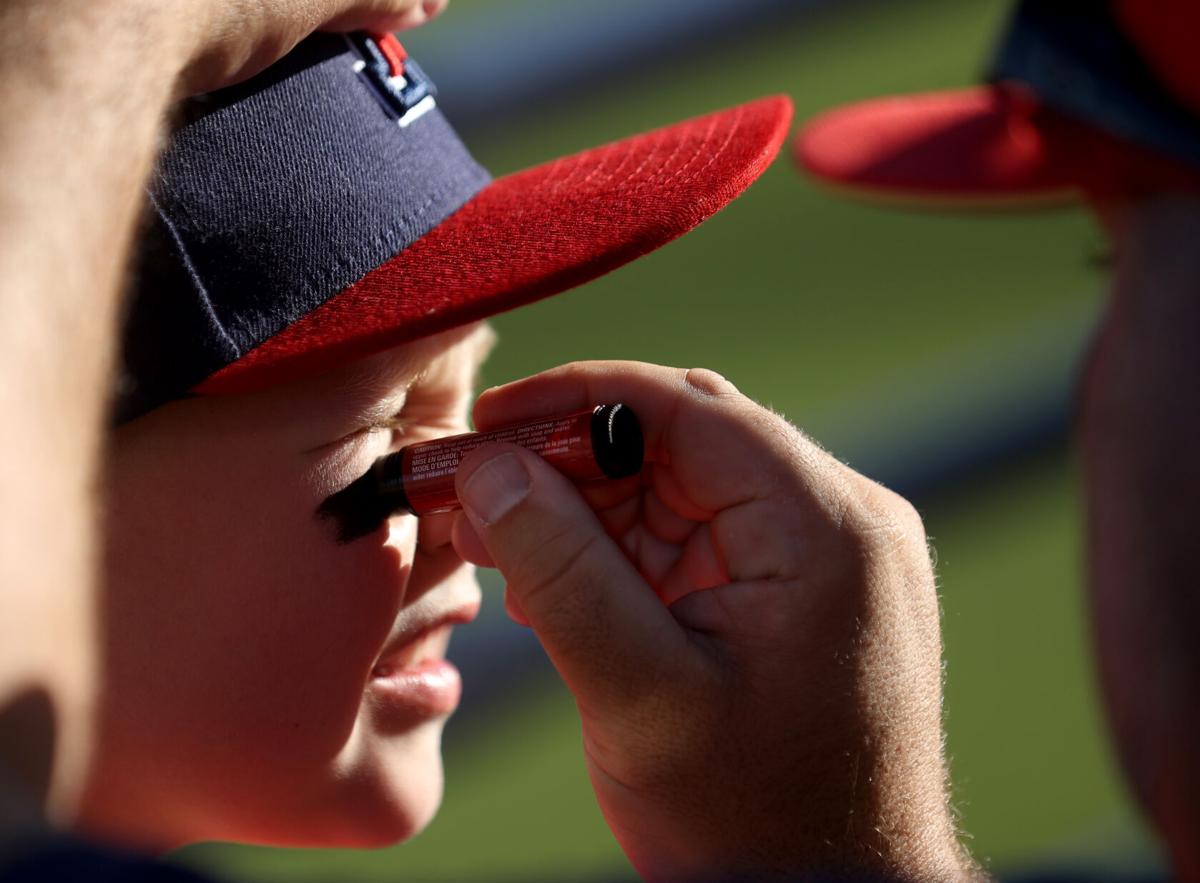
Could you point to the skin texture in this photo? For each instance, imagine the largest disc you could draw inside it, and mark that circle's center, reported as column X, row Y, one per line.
column 781, row 715
column 239, row 38
column 1140, row 434
column 241, row 700
column 750, row 630
column 753, row 703
column 780, row 712
column 84, row 87
column 209, row 651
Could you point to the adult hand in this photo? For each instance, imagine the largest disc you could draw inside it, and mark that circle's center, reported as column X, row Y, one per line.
column 230, row 40
column 750, row 630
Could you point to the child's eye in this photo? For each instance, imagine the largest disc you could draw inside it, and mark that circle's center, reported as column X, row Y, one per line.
column 397, row 423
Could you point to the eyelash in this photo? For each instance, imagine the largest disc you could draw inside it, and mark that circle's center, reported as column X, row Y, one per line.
column 397, row 423
column 423, row 406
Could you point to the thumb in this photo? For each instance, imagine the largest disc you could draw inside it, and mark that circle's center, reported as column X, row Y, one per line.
column 603, row 627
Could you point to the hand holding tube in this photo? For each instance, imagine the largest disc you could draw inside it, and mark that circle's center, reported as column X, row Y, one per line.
column 750, row 630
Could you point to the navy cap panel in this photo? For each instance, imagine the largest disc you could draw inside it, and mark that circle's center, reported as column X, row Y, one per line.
column 1078, row 60
column 172, row 338
column 286, row 191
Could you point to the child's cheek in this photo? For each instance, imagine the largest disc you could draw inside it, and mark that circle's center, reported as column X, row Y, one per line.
column 335, row 467
column 402, row 536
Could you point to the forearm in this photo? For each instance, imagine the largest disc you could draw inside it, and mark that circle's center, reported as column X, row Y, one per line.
column 83, row 88
column 1141, row 438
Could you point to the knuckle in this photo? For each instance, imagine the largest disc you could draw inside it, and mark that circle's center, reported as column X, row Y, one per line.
column 709, row 382
column 907, row 519
column 883, row 533
column 808, row 460
column 889, row 522
column 895, row 548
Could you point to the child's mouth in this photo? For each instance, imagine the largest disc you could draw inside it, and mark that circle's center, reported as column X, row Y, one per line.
column 414, row 682
column 429, row 646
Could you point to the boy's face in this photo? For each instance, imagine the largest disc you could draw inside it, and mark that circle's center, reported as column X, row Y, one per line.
column 245, row 650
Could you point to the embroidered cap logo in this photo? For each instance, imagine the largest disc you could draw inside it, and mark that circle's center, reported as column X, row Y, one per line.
column 401, row 87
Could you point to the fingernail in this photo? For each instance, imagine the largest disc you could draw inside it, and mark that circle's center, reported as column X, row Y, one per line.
column 495, row 488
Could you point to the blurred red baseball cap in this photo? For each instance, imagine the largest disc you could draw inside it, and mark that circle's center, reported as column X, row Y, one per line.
column 1085, row 99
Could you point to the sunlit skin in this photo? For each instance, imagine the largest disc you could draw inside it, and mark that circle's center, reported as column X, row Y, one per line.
column 246, row 653
column 238, row 39
column 782, row 714
column 238, row 641
column 248, row 662
column 251, row 661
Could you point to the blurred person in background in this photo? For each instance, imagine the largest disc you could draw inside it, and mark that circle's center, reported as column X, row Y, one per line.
column 1098, row 101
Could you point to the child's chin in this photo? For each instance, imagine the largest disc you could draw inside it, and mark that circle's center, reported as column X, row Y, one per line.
column 392, row 796
column 358, row 818
column 393, row 822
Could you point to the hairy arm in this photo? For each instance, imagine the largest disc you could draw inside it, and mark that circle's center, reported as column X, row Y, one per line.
column 749, row 627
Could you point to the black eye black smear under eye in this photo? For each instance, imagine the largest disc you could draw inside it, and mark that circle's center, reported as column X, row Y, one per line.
column 356, row 510
column 359, row 509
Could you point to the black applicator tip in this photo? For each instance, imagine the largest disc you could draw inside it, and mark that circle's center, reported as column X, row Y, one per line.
column 361, row 508
column 357, row 510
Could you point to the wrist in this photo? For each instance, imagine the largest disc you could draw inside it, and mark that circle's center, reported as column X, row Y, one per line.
column 910, row 837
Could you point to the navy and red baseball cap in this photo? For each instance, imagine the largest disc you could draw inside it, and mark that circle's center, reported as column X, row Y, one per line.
column 1085, row 99
column 326, row 210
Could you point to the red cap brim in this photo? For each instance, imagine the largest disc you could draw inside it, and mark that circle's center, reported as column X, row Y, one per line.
column 529, row 236
column 989, row 148
column 965, row 148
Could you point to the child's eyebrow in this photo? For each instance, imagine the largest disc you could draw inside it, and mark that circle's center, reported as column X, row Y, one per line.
column 377, row 394
column 371, row 391
column 377, row 390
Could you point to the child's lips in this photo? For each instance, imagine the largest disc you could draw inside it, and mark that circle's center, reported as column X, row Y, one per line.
column 412, row 679
column 424, row 627
column 429, row 646
column 427, row 689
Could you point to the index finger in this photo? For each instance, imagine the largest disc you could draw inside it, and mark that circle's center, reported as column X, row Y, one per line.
column 723, row 448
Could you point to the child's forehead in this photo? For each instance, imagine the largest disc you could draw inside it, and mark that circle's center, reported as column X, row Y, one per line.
column 463, row 348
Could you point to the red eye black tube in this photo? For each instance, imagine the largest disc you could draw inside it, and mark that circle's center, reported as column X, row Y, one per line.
column 601, row 442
